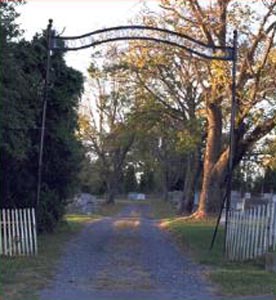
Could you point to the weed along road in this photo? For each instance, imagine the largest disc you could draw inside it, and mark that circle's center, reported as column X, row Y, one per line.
column 126, row 257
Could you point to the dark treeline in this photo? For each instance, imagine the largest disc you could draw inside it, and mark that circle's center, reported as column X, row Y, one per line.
column 22, row 81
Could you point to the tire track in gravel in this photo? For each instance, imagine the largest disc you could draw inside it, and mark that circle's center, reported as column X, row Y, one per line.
column 126, row 257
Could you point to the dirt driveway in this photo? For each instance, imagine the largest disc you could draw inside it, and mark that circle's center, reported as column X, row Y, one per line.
column 126, row 257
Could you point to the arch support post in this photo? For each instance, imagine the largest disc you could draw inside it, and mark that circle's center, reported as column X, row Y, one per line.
column 226, row 201
column 44, row 110
column 232, row 139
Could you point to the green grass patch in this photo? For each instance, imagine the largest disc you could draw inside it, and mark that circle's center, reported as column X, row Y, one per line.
column 161, row 209
column 248, row 278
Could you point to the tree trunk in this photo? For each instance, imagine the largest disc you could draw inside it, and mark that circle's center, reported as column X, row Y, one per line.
column 166, row 184
column 210, row 193
column 213, row 187
column 112, row 186
column 165, row 195
column 187, row 202
column 110, row 197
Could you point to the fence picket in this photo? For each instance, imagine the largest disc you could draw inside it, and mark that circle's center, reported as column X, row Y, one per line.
column 1, row 226
column 248, row 220
column 12, row 245
column 229, row 244
column 236, row 238
column 266, row 225
column 231, row 234
column 271, row 222
column 26, row 232
column 258, row 232
column 22, row 237
column 274, row 227
column 30, row 230
column 243, row 236
column 254, row 228
column 238, row 250
column 18, row 232
column 5, row 233
column 251, row 233
column 34, row 231
column 9, row 232
column 263, row 240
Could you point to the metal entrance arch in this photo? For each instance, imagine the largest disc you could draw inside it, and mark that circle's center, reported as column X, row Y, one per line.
column 145, row 33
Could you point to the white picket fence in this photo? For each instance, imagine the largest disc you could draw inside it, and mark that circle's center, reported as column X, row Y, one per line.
column 251, row 233
column 18, row 232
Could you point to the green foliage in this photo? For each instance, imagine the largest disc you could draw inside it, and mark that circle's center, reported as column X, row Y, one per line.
column 266, row 183
column 147, row 182
column 105, row 127
column 22, row 82
column 130, row 181
column 90, row 177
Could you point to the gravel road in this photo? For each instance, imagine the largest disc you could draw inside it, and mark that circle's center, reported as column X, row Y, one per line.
column 126, row 257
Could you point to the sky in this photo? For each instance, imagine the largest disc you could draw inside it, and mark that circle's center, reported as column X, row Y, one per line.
column 78, row 17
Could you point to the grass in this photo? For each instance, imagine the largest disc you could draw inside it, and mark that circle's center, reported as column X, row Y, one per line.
column 161, row 209
column 21, row 277
column 234, row 279
column 18, row 272
column 107, row 210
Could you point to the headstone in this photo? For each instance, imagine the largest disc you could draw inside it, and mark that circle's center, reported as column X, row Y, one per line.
column 240, row 205
column 141, row 197
column 175, row 197
column 267, row 196
column 83, row 203
column 247, row 196
column 136, row 196
column 236, row 199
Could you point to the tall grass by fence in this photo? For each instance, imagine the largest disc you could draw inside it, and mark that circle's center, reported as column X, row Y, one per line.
column 251, row 233
column 18, row 232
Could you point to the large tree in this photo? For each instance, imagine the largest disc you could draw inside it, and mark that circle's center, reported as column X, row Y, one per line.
column 166, row 83
column 105, row 129
column 171, row 76
column 213, row 23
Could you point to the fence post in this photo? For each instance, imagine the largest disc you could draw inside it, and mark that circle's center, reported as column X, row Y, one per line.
column 1, row 230
column 34, row 231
